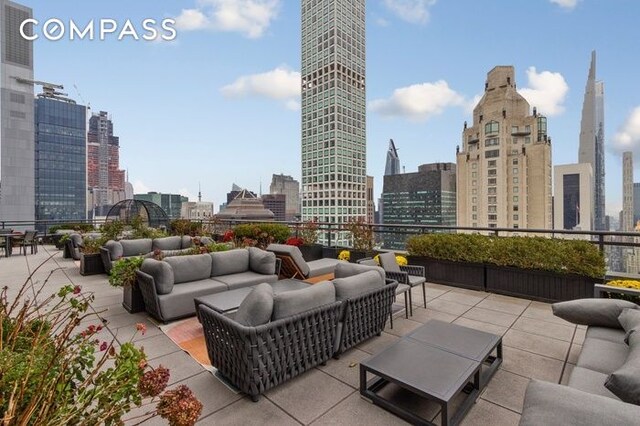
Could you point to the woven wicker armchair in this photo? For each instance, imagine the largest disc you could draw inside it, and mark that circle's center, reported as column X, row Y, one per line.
column 255, row 359
column 365, row 316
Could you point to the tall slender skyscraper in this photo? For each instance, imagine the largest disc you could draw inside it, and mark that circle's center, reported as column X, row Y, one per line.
column 592, row 140
column 627, row 192
column 392, row 167
column 333, row 112
column 16, row 115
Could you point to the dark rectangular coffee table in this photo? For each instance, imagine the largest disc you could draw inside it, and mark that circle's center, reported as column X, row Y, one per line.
column 229, row 301
column 436, row 361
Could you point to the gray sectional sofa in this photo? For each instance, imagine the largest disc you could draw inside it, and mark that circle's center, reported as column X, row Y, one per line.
column 169, row 246
column 604, row 386
column 277, row 336
column 169, row 286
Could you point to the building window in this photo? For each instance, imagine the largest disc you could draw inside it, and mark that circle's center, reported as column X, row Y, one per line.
column 492, row 200
column 492, row 209
column 515, row 208
column 493, row 217
column 474, row 208
column 515, row 189
column 491, row 172
column 527, row 139
column 474, row 200
column 516, row 217
column 515, row 170
column 492, row 190
column 514, row 129
column 492, row 181
column 491, row 127
column 492, row 153
column 515, row 199
column 491, row 163
column 474, row 174
column 474, row 191
column 474, row 217
column 515, row 180
column 493, row 225
column 492, row 142
column 515, row 161
column 474, row 183
column 474, row 166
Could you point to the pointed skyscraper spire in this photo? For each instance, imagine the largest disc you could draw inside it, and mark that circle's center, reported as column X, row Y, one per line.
column 199, row 193
column 393, row 161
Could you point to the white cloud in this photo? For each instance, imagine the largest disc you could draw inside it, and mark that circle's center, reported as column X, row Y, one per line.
column 249, row 17
column 414, row 11
column 547, row 91
column 381, row 22
column 280, row 84
column 140, row 188
column 566, row 4
column 628, row 136
column 419, row 101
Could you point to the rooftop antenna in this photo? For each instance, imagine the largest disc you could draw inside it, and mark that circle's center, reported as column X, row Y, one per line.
column 260, row 188
column 199, row 193
column 80, row 97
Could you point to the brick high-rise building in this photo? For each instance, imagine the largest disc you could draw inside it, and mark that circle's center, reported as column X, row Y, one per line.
column 504, row 166
column 105, row 179
column 283, row 184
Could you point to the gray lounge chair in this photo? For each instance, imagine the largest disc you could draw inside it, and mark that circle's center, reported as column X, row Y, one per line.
column 294, row 265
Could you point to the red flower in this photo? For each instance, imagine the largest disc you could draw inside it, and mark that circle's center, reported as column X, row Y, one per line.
column 294, row 241
column 141, row 327
column 228, row 236
column 77, row 289
column 179, row 406
column 153, row 382
column 103, row 346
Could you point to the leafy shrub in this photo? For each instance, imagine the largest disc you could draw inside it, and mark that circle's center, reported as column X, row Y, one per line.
column 260, row 234
column 185, row 227
column 548, row 254
column 79, row 227
column 123, row 272
column 361, row 233
column 112, row 230
column 309, row 232
column 91, row 245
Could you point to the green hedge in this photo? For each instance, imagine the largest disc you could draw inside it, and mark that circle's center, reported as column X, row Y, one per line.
column 548, row 254
column 275, row 232
column 80, row 227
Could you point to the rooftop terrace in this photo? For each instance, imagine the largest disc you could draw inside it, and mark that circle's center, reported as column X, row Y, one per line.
column 536, row 345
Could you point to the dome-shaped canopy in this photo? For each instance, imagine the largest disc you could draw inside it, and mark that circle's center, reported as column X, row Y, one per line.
column 126, row 210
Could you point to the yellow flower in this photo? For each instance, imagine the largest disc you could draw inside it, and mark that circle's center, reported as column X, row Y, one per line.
column 344, row 255
column 377, row 258
column 402, row 261
column 625, row 284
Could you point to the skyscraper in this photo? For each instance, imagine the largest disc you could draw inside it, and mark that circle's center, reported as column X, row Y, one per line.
column 277, row 204
column 170, row 203
column 60, row 159
column 627, row 192
column 371, row 204
column 427, row 197
column 636, row 202
column 16, row 115
column 504, row 166
column 592, row 140
column 104, row 177
column 333, row 112
column 282, row 184
column 392, row 167
column 572, row 200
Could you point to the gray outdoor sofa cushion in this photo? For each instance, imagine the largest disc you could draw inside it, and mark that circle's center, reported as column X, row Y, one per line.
column 598, row 312
column 137, row 247
column 357, row 284
column 629, row 319
column 245, row 279
column 295, row 302
column 115, row 249
column 295, row 254
column 162, row 274
column 322, row 266
column 186, row 242
column 602, row 356
column 190, row 268
column 261, row 261
column 257, row 307
column 625, row 381
column 346, row 269
column 179, row 303
column 590, row 381
column 167, row 243
column 552, row 404
column 229, row 262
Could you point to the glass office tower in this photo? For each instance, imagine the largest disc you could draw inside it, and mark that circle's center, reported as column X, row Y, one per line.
column 60, row 159
column 333, row 112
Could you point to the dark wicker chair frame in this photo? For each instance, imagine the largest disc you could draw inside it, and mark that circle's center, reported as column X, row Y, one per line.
column 364, row 316
column 403, row 278
column 255, row 359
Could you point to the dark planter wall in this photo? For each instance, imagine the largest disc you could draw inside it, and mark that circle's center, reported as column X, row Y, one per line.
column 447, row 272
column 311, row 252
column 355, row 255
column 132, row 299
column 538, row 285
column 91, row 264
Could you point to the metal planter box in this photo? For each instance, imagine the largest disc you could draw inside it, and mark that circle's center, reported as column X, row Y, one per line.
column 448, row 272
column 91, row 264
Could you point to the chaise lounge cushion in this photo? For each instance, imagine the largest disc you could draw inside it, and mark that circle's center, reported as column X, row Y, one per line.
column 261, row 261
column 602, row 356
column 345, row 269
column 167, row 243
column 629, row 319
column 322, row 266
column 257, row 307
column 293, row 252
column 162, row 274
column 229, row 262
column 245, row 279
column 137, row 247
column 598, row 312
column 356, row 285
column 625, row 381
column 552, row 404
column 115, row 249
column 589, row 381
column 180, row 304
column 190, row 268
column 297, row 301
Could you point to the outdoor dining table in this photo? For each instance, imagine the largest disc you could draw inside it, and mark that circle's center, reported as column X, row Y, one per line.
column 9, row 239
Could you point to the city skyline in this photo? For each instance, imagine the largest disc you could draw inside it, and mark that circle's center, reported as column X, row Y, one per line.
column 216, row 75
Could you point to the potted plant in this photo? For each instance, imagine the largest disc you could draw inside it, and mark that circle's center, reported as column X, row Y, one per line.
column 90, row 259
column 362, row 239
column 123, row 274
column 308, row 236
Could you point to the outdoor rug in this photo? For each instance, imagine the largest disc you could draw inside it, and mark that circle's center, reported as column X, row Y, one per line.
column 188, row 335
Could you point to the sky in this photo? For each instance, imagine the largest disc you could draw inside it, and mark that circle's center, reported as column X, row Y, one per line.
column 220, row 103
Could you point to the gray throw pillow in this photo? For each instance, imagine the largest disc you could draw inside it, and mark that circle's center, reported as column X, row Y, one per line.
column 161, row 272
column 594, row 312
column 625, row 381
column 167, row 243
column 294, row 302
column 629, row 319
column 262, row 262
column 137, row 247
column 345, row 269
column 388, row 262
column 257, row 307
column 356, row 285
